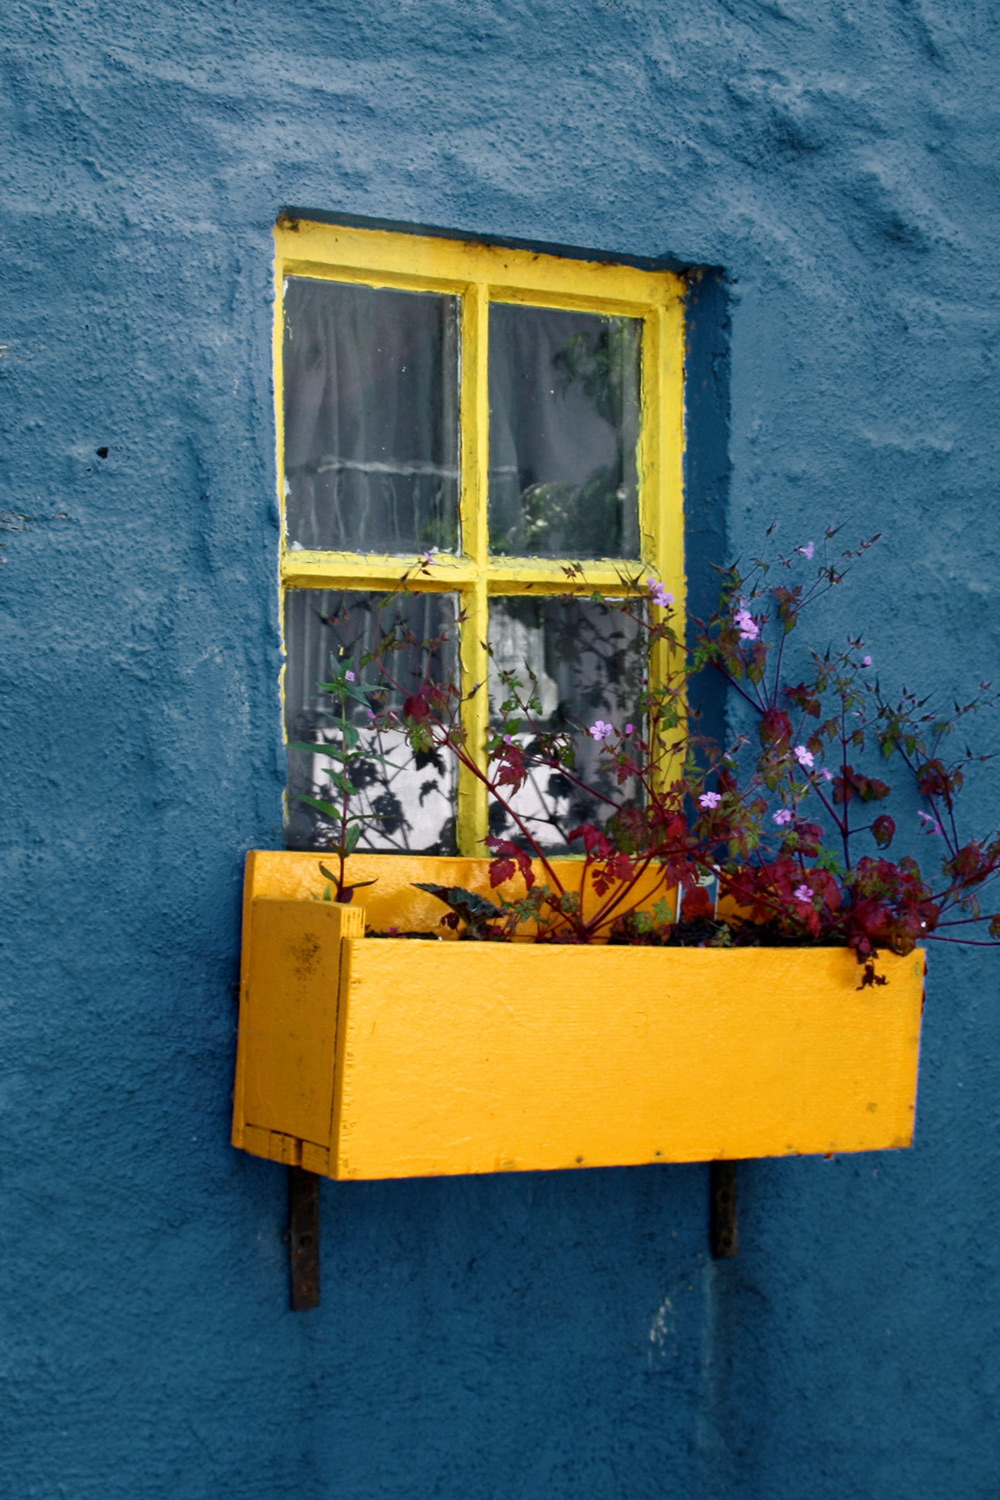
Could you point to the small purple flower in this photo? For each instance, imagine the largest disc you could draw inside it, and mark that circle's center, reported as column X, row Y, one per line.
column 508, row 739
column 746, row 625
column 629, row 728
column 807, row 551
column 803, row 893
column 426, row 558
column 783, row 815
column 867, row 661
column 600, row 730
column 658, row 593
column 804, row 757
column 826, row 775
column 371, row 713
column 931, row 824
column 709, row 799
column 349, row 675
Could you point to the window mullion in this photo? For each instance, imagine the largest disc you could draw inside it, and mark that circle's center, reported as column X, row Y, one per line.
column 473, row 808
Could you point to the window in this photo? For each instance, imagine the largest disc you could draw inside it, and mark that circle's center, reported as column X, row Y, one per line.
column 513, row 416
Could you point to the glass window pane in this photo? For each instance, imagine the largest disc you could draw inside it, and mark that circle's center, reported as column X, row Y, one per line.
column 371, row 418
column 588, row 662
column 564, row 425
column 407, row 800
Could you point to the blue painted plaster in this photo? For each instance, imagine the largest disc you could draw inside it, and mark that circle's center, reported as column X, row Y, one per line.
column 533, row 1338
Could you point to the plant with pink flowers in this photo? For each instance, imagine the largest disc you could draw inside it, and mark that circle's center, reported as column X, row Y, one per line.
column 786, row 823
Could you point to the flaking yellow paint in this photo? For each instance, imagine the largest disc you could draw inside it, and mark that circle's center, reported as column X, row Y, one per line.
column 386, row 1057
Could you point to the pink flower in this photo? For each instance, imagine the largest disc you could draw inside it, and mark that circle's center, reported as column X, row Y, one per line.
column 349, row 676
column 709, row 799
column 804, row 756
column 803, row 893
column 508, row 739
column 629, row 728
column 659, row 594
column 600, row 730
column 867, row 662
column 426, row 559
column 931, row 825
column 826, row 775
column 746, row 625
column 783, row 815
column 807, row 551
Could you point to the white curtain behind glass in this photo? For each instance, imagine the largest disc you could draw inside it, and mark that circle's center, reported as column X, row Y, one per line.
column 371, row 418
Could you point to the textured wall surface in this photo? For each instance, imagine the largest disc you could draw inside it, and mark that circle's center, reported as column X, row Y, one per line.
column 544, row 1337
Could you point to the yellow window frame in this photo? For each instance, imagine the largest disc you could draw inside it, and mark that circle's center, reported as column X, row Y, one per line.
column 477, row 275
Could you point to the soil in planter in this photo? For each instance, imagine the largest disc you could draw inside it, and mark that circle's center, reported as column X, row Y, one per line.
column 698, row 932
column 394, row 932
column 709, row 932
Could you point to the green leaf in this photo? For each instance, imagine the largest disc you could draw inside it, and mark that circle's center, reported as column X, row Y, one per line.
column 326, row 808
column 357, row 693
column 351, row 690
column 469, row 907
column 333, row 751
column 344, row 727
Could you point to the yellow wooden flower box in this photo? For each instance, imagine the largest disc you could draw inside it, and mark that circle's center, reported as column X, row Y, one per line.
column 392, row 1057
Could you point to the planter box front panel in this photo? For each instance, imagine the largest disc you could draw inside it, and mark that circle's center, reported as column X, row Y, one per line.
column 370, row 1057
column 478, row 1057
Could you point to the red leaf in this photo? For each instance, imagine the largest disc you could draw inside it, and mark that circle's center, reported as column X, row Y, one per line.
column 775, row 730
column 933, row 779
column 505, row 851
column 512, row 770
column 417, row 706
column 884, row 829
column 697, row 904
column 968, row 865
column 810, row 839
column 594, row 840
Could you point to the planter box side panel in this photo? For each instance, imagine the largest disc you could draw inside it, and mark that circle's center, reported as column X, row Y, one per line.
column 288, row 1022
column 484, row 1057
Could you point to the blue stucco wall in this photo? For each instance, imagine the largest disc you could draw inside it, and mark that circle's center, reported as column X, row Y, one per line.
column 543, row 1337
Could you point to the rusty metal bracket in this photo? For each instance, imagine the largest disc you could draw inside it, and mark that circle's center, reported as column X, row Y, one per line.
column 303, row 1238
column 724, row 1222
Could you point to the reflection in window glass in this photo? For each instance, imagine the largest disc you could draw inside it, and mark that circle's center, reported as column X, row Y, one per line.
column 371, row 418
column 564, row 425
column 587, row 662
column 408, row 800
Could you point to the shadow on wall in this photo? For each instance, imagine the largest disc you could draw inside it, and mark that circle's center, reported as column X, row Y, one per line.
column 706, row 461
